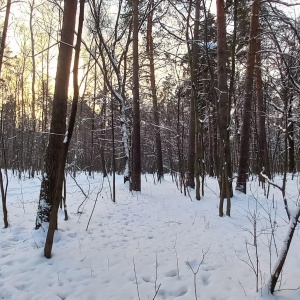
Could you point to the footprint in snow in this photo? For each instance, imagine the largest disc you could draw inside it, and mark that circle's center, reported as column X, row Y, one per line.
column 147, row 279
column 206, row 279
column 171, row 273
column 181, row 291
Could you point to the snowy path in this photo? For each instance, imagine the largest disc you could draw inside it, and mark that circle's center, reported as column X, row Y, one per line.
column 158, row 224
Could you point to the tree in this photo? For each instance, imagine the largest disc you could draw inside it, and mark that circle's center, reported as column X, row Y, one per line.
column 59, row 111
column 193, row 53
column 264, row 164
column 4, row 184
column 243, row 167
column 67, row 139
column 33, row 92
column 112, row 63
column 136, row 135
column 150, row 46
column 223, row 111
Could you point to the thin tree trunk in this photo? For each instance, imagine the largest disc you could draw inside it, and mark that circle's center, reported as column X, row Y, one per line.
column 159, row 159
column 290, row 132
column 93, row 123
column 58, row 123
column 284, row 251
column 33, row 147
column 113, row 151
column 136, row 135
column 3, row 182
column 4, row 33
column 69, row 133
column 243, row 168
column 190, row 180
column 102, row 134
column 195, row 95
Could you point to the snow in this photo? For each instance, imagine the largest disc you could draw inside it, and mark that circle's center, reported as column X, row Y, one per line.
column 66, row 137
column 148, row 241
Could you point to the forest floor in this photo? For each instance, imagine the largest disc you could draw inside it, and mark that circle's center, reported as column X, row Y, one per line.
column 154, row 244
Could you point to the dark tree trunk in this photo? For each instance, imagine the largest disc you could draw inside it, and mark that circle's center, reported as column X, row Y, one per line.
column 243, row 167
column 193, row 60
column 4, row 183
column 59, row 111
column 4, row 33
column 284, row 251
column 93, row 123
column 159, row 160
column 65, row 145
column 33, row 154
column 196, row 99
column 136, row 135
column 290, row 132
column 261, row 108
column 223, row 112
column 113, row 151
column 103, row 134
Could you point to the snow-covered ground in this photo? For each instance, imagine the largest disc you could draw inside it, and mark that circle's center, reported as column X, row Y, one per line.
column 147, row 244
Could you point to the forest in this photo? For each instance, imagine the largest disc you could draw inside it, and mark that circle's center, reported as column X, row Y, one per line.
column 128, row 107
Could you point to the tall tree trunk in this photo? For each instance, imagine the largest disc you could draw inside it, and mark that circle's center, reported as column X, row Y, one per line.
column 3, row 163
column 195, row 68
column 159, row 160
column 136, row 135
column 261, row 107
column 33, row 146
column 223, row 111
column 193, row 60
column 59, row 111
column 113, row 151
column 93, row 123
column 243, row 167
column 68, row 136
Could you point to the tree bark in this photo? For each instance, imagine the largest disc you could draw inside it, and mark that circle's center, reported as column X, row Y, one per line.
column 193, row 60
column 291, row 142
column 223, row 111
column 68, row 136
column 33, row 153
column 59, row 111
column 284, row 251
column 261, row 107
column 159, row 160
column 136, row 135
column 243, row 167
column 196, row 95
column 4, row 33
column 4, row 184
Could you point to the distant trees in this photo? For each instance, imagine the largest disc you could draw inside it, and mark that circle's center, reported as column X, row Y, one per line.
column 197, row 101
column 114, row 64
